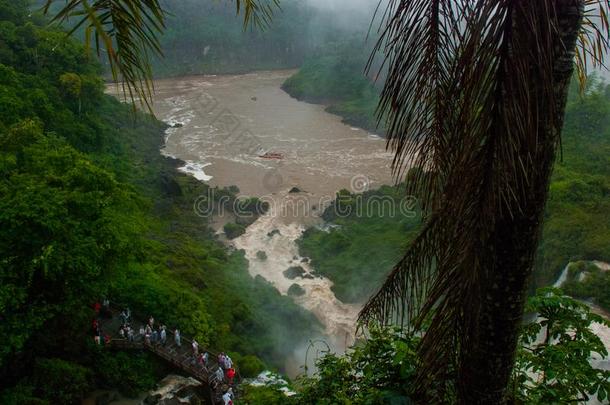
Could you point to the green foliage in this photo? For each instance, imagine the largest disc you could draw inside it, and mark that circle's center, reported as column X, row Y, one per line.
column 380, row 370
column 595, row 283
column 368, row 234
column 553, row 360
column 129, row 372
column 60, row 381
column 21, row 394
column 233, row 230
column 203, row 36
column 62, row 228
column 576, row 221
column 264, row 395
column 338, row 80
column 261, row 255
column 71, row 82
column 360, row 251
column 250, row 366
column 89, row 207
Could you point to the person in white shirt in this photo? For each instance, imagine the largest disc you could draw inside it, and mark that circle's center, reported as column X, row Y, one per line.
column 228, row 363
column 227, row 398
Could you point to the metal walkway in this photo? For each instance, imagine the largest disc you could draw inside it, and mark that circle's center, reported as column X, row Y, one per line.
column 180, row 357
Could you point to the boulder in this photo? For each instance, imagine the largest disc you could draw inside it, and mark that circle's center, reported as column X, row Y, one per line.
column 293, row 272
column 296, row 290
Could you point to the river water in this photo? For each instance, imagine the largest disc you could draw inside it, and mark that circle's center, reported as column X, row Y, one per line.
column 222, row 126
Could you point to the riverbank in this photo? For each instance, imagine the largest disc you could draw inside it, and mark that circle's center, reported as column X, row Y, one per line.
column 223, row 122
column 341, row 87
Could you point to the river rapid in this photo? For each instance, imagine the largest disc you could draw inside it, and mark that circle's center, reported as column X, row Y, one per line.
column 221, row 125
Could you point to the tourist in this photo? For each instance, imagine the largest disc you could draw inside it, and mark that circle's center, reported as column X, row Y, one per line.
column 97, row 333
column 105, row 312
column 219, row 375
column 177, row 338
column 230, row 375
column 123, row 316
column 227, row 398
column 205, row 358
column 154, row 336
column 195, row 347
column 151, row 322
column 163, row 335
column 130, row 333
column 221, row 359
column 200, row 360
column 228, row 363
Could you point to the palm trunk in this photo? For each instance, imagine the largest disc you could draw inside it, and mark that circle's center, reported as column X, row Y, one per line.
column 487, row 361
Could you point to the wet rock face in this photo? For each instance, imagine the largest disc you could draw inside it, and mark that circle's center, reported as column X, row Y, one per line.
column 294, row 272
column 296, row 290
column 175, row 390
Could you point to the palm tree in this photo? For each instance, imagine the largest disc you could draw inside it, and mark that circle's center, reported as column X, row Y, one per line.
column 127, row 32
column 475, row 98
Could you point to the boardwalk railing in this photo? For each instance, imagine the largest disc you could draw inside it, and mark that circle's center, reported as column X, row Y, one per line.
column 181, row 357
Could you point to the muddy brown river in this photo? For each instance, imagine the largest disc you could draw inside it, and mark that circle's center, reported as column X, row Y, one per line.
column 226, row 127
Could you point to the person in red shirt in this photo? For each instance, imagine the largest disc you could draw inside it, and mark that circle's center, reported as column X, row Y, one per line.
column 230, row 375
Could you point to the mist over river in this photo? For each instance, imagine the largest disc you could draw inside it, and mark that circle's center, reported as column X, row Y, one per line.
column 221, row 125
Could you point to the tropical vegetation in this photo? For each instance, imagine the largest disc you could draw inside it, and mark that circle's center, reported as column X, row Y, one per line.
column 474, row 98
column 89, row 208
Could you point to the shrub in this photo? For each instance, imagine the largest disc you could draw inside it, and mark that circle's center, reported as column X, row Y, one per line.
column 233, row 230
column 60, row 381
column 250, row 366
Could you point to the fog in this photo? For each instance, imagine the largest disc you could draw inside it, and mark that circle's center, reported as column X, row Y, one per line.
column 343, row 5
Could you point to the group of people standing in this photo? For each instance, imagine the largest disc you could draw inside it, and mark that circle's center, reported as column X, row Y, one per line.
column 222, row 378
column 156, row 335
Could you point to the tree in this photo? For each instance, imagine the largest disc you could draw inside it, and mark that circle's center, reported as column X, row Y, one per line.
column 127, row 32
column 553, row 361
column 72, row 85
column 475, row 95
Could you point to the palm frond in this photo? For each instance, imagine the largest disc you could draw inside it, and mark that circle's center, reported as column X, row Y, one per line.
column 594, row 39
column 127, row 32
column 459, row 104
column 258, row 13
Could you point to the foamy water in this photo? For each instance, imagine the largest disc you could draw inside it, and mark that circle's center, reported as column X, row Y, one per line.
column 220, row 125
column 272, row 235
column 600, row 330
